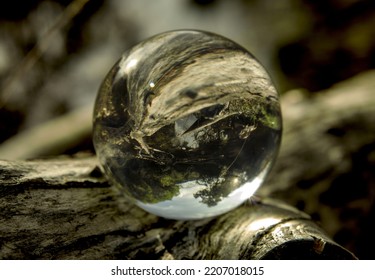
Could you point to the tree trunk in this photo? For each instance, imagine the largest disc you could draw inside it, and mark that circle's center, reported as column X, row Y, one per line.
column 63, row 208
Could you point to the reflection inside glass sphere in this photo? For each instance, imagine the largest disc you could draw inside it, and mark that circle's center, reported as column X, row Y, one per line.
column 188, row 124
column 186, row 205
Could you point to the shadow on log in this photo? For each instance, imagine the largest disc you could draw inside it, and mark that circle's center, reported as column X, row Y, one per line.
column 65, row 209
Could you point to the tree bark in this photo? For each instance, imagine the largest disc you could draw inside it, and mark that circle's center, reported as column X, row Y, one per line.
column 63, row 208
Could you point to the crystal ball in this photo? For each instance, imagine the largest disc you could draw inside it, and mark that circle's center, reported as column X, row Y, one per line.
column 187, row 123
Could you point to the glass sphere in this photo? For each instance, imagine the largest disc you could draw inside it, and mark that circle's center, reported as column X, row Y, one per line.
column 188, row 124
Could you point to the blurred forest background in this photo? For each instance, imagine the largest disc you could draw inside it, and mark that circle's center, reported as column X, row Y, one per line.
column 55, row 53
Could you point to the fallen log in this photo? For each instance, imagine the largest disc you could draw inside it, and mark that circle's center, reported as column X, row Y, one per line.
column 63, row 208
